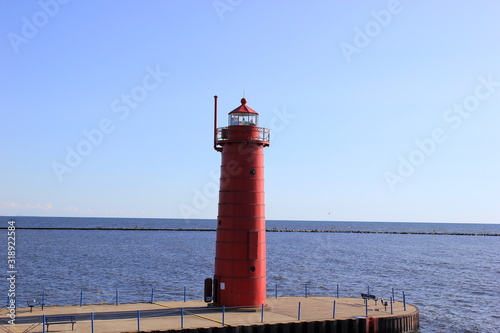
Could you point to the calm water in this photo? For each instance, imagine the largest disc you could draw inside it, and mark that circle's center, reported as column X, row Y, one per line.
column 452, row 279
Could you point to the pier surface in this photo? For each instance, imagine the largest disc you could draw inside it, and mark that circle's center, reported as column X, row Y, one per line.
column 280, row 315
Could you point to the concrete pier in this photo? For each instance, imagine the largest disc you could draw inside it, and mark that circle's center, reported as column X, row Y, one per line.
column 280, row 315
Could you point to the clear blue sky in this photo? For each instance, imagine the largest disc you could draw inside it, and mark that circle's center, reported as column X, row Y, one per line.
column 379, row 110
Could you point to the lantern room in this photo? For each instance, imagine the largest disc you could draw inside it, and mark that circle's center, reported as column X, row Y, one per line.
column 243, row 127
column 243, row 115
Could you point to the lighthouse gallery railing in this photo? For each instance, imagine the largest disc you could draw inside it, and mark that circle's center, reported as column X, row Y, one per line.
column 258, row 133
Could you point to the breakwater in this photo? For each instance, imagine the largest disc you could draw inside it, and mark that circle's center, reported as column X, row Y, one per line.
column 268, row 230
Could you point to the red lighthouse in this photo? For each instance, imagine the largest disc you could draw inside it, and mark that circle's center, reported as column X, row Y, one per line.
column 240, row 254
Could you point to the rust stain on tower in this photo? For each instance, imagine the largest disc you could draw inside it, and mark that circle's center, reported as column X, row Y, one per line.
column 240, row 254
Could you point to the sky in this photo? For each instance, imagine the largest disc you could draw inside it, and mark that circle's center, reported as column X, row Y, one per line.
column 378, row 110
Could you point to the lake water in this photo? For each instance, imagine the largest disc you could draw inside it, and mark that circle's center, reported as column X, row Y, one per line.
column 454, row 280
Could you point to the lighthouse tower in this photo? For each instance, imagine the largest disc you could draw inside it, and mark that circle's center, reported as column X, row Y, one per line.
column 240, row 254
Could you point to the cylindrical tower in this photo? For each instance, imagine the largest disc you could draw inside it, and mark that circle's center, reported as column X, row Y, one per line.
column 240, row 254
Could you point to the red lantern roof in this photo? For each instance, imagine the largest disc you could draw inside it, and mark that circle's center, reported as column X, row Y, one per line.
column 243, row 108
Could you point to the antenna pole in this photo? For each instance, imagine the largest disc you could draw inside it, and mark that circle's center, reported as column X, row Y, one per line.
column 215, row 122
